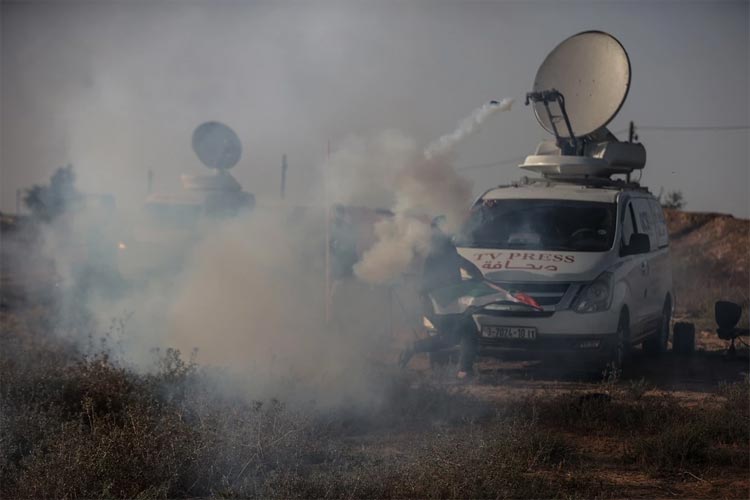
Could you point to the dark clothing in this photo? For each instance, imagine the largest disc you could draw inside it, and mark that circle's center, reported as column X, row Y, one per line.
column 343, row 247
column 452, row 330
column 443, row 267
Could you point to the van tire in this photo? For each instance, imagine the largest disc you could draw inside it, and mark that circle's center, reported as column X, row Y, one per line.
column 657, row 343
column 621, row 349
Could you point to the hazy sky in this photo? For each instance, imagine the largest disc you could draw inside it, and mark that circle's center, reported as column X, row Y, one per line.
column 117, row 87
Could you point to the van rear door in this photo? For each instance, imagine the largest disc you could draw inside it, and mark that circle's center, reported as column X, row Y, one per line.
column 661, row 266
column 635, row 275
column 654, row 266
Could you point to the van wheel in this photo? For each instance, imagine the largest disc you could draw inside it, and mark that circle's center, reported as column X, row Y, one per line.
column 621, row 348
column 657, row 343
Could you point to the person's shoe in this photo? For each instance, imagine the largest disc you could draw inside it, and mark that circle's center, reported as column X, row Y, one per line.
column 404, row 357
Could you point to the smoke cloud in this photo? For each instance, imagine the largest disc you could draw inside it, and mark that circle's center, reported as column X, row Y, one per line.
column 252, row 299
column 422, row 184
column 249, row 292
column 400, row 241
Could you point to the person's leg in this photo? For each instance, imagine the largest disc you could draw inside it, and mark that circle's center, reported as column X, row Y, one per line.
column 429, row 344
column 469, row 347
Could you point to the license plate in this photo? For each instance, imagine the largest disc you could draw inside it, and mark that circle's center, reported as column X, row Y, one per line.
column 509, row 332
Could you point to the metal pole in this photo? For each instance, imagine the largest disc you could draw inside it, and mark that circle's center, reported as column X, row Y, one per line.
column 283, row 175
column 573, row 141
column 327, row 212
column 390, row 311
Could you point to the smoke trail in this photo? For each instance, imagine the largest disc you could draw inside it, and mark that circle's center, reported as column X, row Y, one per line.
column 424, row 184
column 467, row 127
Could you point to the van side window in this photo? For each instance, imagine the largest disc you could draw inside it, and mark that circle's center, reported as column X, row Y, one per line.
column 644, row 220
column 662, row 234
column 628, row 224
column 644, row 224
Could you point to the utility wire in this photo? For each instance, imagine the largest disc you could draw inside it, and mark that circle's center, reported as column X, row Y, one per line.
column 698, row 128
column 664, row 128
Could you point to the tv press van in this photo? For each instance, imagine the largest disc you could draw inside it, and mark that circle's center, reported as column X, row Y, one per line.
column 584, row 241
column 594, row 257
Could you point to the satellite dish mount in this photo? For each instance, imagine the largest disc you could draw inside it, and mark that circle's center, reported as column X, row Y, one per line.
column 569, row 146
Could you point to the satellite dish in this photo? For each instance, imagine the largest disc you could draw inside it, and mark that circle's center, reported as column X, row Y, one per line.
column 216, row 145
column 591, row 70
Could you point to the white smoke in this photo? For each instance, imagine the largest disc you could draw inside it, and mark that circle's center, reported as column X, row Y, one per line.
column 468, row 126
column 364, row 171
column 423, row 184
column 252, row 298
column 251, row 295
column 399, row 241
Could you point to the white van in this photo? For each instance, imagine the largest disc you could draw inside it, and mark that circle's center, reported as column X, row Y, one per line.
column 591, row 249
column 592, row 252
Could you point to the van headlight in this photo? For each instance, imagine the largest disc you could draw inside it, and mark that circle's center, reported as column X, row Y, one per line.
column 429, row 327
column 427, row 323
column 596, row 296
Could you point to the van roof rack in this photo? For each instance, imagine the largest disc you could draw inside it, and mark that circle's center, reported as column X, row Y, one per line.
column 599, row 160
column 595, row 182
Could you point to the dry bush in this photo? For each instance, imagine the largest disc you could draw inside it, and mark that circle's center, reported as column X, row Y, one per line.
column 499, row 459
column 92, row 428
column 75, row 426
column 605, row 414
column 145, row 456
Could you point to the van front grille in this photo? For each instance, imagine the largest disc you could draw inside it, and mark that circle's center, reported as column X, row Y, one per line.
column 545, row 294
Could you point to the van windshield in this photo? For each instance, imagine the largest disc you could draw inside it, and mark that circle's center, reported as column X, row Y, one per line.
column 579, row 226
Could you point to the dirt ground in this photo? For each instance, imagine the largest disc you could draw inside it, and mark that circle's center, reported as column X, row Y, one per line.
column 690, row 378
column 692, row 381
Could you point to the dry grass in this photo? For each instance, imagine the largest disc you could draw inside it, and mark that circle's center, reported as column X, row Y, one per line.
column 710, row 262
column 81, row 427
column 85, row 426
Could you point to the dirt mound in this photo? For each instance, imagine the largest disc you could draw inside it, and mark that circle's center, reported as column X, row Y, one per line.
column 710, row 260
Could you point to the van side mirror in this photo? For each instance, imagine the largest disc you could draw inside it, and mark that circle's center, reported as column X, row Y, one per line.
column 639, row 243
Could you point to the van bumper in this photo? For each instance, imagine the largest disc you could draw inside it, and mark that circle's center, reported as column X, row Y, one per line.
column 558, row 347
column 560, row 334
